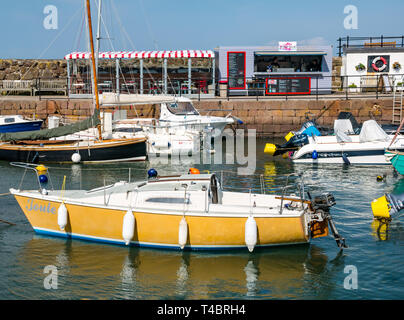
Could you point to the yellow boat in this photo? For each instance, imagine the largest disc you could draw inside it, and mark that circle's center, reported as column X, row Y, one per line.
column 189, row 211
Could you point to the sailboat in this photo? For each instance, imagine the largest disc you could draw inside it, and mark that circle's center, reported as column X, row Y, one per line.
column 35, row 146
column 187, row 211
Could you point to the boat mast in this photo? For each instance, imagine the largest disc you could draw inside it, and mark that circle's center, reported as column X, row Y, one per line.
column 98, row 37
column 90, row 32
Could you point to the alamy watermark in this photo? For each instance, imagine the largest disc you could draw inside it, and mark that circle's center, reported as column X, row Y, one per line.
column 50, row 21
column 351, row 280
column 227, row 148
column 51, row 280
column 351, row 20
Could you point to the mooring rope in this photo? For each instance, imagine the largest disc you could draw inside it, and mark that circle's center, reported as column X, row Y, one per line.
column 7, row 222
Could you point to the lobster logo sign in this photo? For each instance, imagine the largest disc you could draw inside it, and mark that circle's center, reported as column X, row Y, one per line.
column 378, row 63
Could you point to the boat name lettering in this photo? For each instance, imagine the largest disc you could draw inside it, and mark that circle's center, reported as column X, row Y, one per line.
column 33, row 206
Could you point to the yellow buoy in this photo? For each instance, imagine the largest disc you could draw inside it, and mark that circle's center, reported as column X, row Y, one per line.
column 381, row 207
column 41, row 169
column 270, row 149
column 289, row 135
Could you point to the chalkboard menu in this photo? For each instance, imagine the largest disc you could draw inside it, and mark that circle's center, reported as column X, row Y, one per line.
column 236, row 70
column 292, row 85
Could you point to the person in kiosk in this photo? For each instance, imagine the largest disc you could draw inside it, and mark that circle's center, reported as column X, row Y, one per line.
column 314, row 65
column 273, row 64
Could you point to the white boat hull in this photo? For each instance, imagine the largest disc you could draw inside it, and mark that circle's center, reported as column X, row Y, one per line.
column 330, row 151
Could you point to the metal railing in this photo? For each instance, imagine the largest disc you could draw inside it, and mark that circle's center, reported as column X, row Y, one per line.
column 342, row 87
column 365, row 42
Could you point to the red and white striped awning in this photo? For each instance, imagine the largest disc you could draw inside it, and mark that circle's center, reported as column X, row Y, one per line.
column 144, row 54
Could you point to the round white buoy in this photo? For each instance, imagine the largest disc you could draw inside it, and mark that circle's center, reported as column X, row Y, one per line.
column 62, row 216
column 183, row 233
column 76, row 157
column 128, row 226
column 250, row 233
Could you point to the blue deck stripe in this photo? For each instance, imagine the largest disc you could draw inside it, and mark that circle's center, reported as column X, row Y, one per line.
column 145, row 245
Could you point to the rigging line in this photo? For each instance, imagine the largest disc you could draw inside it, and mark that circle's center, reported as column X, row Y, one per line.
column 122, row 27
column 133, row 46
column 44, row 51
column 61, row 32
column 113, row 49
column 78, row 38
column 148, row 24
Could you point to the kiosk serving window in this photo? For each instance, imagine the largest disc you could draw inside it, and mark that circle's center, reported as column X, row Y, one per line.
column 275, row 62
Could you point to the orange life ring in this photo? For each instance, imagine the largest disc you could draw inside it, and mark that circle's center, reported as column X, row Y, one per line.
column 376, row 68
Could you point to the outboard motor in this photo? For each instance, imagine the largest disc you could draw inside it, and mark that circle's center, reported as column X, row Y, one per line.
column 387, row 206
column 300, row 138
column 293, row 143
column 294, row 140
column 321, row 206
column 309, row 128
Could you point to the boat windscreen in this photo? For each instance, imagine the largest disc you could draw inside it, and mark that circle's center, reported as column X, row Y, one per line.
column 182, row 108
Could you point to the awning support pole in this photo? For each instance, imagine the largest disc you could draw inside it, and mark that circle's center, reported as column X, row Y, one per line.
column 189, row 75
column 141, row 76
column 165, row 76
column 68, row 77
column 213, row 76
column 117, row 75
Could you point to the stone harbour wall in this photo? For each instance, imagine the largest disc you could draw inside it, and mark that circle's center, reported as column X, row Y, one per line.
column 29, row 69
column 270, row 118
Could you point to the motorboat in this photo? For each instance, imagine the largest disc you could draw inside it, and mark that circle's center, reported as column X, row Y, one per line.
column 348, row 143
column 175, row 112
column 182, row 112
column 17, row 123
column 186, row 211
column 367, row 147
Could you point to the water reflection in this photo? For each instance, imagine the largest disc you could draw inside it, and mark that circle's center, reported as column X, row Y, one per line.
column 251, row 272
column 104, row 271
column 386, row 230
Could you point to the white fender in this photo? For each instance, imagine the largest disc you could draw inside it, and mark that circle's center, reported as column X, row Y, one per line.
column 128, row 227
column 183, row 233
column 76, row 157
column 62, row 216
column 161, row 144
column 250, row 233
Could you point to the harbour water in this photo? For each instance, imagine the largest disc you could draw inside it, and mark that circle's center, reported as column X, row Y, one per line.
column 88, row 270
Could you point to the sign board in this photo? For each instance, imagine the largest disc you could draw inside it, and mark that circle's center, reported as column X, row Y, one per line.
column 387, row 85
column 287, row 46
column 288, row 85
column 236, row 70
